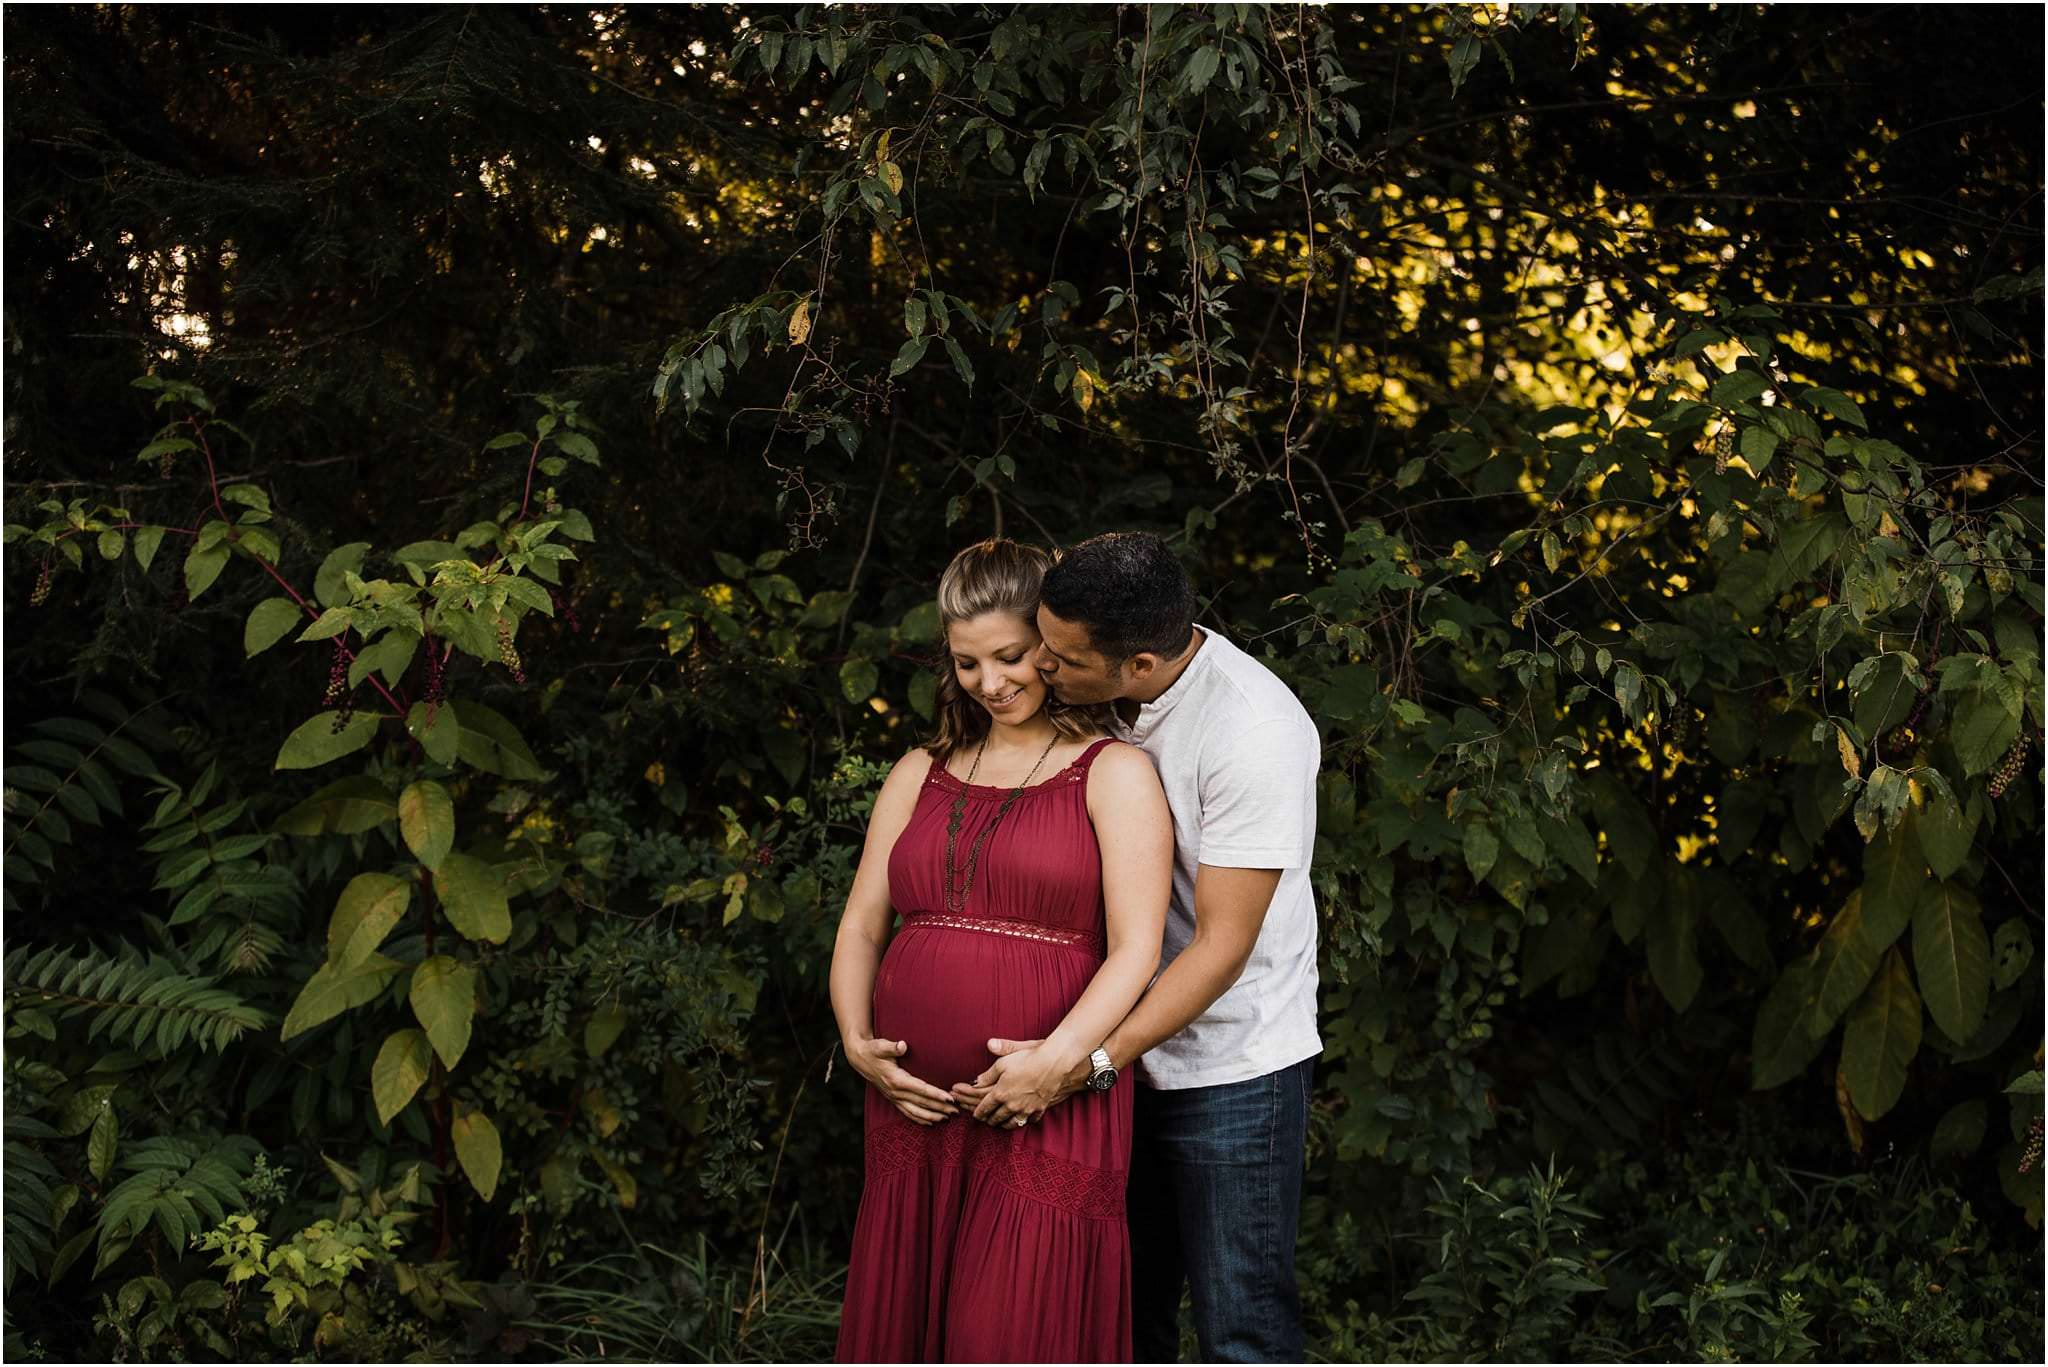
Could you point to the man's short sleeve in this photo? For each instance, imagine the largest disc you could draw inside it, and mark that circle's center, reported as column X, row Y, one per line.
column 1258, row 797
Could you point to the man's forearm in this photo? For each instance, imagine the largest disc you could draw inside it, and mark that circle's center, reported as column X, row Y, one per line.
column 1198, row 975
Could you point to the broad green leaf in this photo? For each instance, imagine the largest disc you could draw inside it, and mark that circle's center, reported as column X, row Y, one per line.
column 329, row 585
column 478, row 1150
column 328, row 625
column 401, row 1067
column 444, row 1001
column 367, row 909
column 1738, row 817
column 1781, row 1046
column 1842, row 967
column 345, row 807
column 1881, row 1038
column 1631, row 839
column 1557, row 945
column 333, row 989
column 1837, row 404
column 1983, row 729
column 102, row 1142
column 924, row 692
column 908, row 355
column 961, row 365
column 1893, row 875
column 425, row 553
column 603, row 1029
column 443, row 739
column 921, row 623
column 1886, row 697
column 623, row 1181
column 490, row 743
column 1738, row 387
column 147, row 539
column 426, row 818
column 577, row 445
column 858, row 679
column 268, row 621
column 1943, row 831
column 1952, row 958
column 1482, row 847
column 1735, row 917
column 390, row 654
column 1672, row 940
column 203, row 565
column 1759, row 445
column 473, row 894
column 1567, row 838
column 1959, row 1133
column 2012, row 950
column 316, row 742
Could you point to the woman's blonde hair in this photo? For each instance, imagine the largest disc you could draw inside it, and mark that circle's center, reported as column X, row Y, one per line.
column 996, row 575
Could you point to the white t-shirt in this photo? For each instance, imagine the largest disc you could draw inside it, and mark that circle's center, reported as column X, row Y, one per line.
column 1237, row 755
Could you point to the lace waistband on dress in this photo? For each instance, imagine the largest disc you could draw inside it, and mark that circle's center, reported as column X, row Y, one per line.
column 998, row 925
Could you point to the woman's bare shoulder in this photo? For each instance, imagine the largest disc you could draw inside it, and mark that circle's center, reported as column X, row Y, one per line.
column 915, row 764
column 1122, row 768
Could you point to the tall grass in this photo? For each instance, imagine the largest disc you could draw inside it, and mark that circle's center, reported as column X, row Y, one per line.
column 647, row 1303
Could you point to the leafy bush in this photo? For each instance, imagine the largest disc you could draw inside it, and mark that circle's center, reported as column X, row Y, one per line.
column 1722, row 1256
column 1653, row 546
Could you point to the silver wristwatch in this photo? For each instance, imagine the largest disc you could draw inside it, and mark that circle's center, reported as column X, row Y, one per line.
column 1104, row 1076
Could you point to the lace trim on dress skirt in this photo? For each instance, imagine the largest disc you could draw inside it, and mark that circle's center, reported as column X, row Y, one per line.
column 1095, row 1193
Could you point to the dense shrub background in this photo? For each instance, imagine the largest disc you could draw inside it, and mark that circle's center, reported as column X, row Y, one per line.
column 1622, row 429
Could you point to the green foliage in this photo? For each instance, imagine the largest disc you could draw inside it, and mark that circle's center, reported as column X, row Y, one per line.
column 137, row 1002
column 1657, row 548
column 1752, row 1261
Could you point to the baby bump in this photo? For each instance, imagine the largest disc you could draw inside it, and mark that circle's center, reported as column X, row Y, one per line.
column 946, row 992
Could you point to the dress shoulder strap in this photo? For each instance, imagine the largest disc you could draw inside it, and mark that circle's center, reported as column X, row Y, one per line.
column 1087, row 758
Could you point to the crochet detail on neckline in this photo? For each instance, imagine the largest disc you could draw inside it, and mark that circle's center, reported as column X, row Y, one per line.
column 1067, row 777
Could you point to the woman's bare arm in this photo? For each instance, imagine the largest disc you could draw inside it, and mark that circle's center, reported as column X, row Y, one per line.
column 857, row 952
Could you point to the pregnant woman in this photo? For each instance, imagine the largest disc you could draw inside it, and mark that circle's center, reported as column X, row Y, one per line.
column 1031, row 859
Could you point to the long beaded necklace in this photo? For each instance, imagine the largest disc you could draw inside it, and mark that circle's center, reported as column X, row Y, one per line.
column 956, row 891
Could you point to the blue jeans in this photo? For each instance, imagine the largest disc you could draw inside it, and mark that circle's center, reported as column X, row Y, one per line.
column 1214, row 1204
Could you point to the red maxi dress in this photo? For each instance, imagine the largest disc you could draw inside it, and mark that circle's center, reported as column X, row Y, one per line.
column 975, row 1244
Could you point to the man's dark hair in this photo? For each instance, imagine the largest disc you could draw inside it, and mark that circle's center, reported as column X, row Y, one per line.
column 1128, row 590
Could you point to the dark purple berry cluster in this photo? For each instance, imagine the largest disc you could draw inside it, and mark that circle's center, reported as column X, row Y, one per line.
column 2009, row 768
column 338, row 689
column 509, row 653
column 437, row 668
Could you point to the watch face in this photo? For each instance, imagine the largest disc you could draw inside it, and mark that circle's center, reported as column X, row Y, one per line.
column 1102, row 1082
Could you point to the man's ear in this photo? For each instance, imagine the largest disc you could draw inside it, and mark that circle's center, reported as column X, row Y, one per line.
column 1141, row 665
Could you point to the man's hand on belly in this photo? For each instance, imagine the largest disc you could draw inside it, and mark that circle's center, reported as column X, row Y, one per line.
column 1024, row 1080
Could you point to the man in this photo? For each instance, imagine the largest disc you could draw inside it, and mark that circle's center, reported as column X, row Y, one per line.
column 1224, row 1041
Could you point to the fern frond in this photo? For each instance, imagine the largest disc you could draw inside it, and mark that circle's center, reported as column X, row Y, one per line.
column 176, row 1178
column 60, row 776
column 30, row 1199
column 144, row 1003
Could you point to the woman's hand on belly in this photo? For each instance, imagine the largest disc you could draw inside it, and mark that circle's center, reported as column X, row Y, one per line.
column 875, row 1060
column 1026, row 1083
